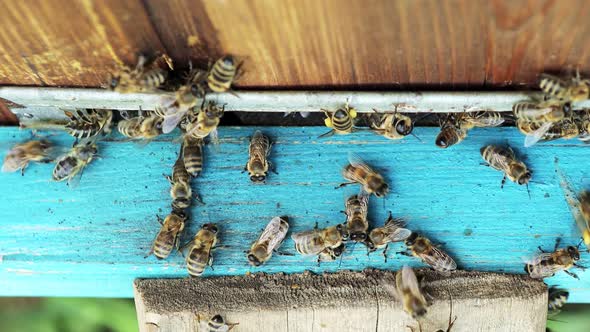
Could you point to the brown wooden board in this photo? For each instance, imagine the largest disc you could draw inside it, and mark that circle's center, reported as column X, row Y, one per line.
column 301, row 43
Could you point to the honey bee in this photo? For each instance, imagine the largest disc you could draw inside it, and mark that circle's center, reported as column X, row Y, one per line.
column 223, row 73
column 180, row 189
column 422, row 248
column 199, row 256
column 22, row 154
column 168, row 237
column 70, row 166
column 579, row 206
column 357, row 171
column 484, row 118
column 192, row 154
column 216, row 324
column 258, row 164
column 85, row 124
column 556, row 299
column 270, row 240
column 316, row 241
column 410, row 293
column 356, row 216
column 341, row 121
column 330, row 254
column 391, row 125
column 142, row 78
column 141, row 127
column 548, row 131
column 548, row 263
column 451, row 131
column 539, row 111
column 205, row 122
column 174, row 108
column 505, row 161
column 393, row 231
column 572, row 90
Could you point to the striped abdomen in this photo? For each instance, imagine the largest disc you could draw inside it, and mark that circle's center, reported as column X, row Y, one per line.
column 342, row 121
column 450, row 135
column 198, row 259
column 192, row 151
column 66, row 168
column 130, row 127
column 553, row 86
column 222, row 74
column 313, row 246
column 164, row 244
column 153, row 78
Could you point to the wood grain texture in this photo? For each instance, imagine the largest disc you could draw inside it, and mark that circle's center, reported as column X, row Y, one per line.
column 345, row 301
column 302, row 43
column 52, row 43
column 90, row 241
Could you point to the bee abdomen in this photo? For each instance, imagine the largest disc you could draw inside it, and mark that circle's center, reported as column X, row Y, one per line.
column 193, row 157
column 552, row 87
column 64, row 168
column 221, row 77
column 154, row 78
column 162, row 248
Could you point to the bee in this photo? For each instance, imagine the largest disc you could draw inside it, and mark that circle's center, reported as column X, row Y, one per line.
column 22, row 154
column 391, row 125
column 451, row 131
column 556, row 299
column 216, row 324
column 71, row 165
column 168, row 237
column 410, row 293
column 142, row 78
column 174, row 108
column 356, row 216
column 572, row 90
column 357, row 171
column 205, row 122
column 579, row 206
column 341, row 121
column 316, row 241
column 270, row 240
column 258, row 164
column 505, row 161
column 548, row 131
column 484, row 118
column 192, row 154
column 141, row 127
column 548, row 263
column 330, row 254
column 393, row 231
column 539, row 111
column 223, row 73
column 200, row 251
column 422, row 248
column 85, row 124
column 180, row 189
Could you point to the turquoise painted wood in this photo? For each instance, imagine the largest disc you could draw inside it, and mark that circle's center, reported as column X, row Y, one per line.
column 91, row 241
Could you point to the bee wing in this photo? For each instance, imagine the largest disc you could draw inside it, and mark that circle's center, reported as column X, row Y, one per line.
column 172, row 119
column 537, row 135
column 74, row 180
column 574, row 206
column 307, row 239
column 167, row 101
column 399, row 234
column 410, row 282
column 545, row 270
column 356, row 161
column 274, row 233
column 439, row 260
column 11, row 163
column 304, row 114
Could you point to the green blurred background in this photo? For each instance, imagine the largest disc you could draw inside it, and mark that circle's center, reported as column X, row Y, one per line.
column 118, row 315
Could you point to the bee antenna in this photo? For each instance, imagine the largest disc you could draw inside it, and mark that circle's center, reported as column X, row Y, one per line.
column 528, row 191
column 418, row 138
column 580, row 243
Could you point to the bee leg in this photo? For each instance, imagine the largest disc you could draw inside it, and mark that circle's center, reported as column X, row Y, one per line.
column 344, row 184
column 319, row 260
column 571, row 274
column 169, row 178
column 316, row 225
column 503, row 182
column 385, row 253
column 541, row 249
column 328, row 134
column 485, row 164
column 282, row 253
column 22, row 170
column 583, row 268
column 557, row 242
column 405, row 253
column 272, row 168
column 160, row 220
column 245, row 168
column 199, row 200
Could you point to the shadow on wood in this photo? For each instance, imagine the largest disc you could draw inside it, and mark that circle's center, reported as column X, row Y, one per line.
column 344, row 301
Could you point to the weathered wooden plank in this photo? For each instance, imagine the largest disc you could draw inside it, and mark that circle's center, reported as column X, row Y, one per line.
column 90, row 241
column 51, row 44
column 337, row 43
column 345, row 301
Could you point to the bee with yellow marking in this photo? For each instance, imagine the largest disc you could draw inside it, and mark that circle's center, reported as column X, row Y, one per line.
column 357, row 224
column 199, row 256
column 548, row 131
column 572, row 90
column 173, row 109
column 168, row 237
column 269, row 241
column 547, row 111
column 316, row 241
column 579, row 206
column 216, row 324
column 223, row 74
column 392, row 231
column 20, row 155
column 357, row 171
column 85, row 124
column 391, row 125
column 505, row 161
column 141, row 127
column 548, row 263
column 410, row 293
column 205, row 122
column 451, row 131
column 142, row 78
column 258, row 164
column 422, row 248
column 483, row 118
column 70, row 166
column 556, row 299
column 341, row 121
